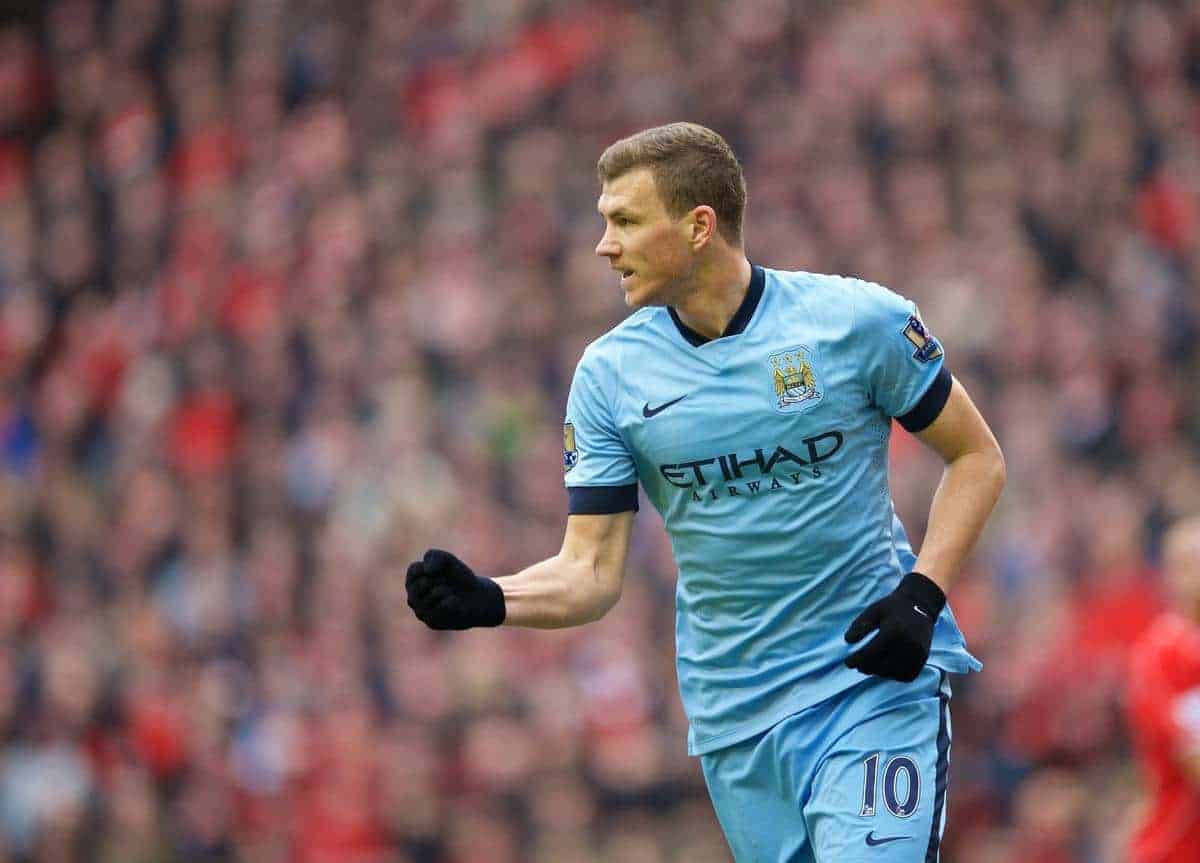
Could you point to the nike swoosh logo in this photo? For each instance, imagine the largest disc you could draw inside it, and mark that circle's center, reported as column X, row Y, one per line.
column 648, row 411
column 920, row 611
column 883, row 840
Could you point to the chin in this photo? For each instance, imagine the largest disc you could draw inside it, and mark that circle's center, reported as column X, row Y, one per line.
column 640, row 299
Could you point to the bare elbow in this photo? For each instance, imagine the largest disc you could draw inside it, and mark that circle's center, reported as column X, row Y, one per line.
column 608, row 591
column 984, row 463
column 604, row 604
column 597, row 587
column 593, row 554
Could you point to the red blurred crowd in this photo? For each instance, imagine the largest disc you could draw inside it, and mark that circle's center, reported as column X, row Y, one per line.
column 291, row 291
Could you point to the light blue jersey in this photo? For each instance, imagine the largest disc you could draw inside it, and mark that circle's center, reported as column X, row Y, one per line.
column 766, row 453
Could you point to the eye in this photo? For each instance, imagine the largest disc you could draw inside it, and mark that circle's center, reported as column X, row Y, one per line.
column 621, row 221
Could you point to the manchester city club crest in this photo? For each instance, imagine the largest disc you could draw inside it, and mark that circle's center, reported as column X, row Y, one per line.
column 795, row 382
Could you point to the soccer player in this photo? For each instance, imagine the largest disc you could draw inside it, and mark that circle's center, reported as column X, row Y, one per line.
column 754, row 407
column 1164, row 709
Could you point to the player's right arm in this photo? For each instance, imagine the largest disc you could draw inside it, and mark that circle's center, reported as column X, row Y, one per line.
column 578, row 585
column 583, row 581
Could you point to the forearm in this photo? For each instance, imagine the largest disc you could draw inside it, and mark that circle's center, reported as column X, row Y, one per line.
column 561, row 591
column 970, row 487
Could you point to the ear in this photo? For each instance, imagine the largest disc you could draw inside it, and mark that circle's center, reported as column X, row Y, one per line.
column 702, row 226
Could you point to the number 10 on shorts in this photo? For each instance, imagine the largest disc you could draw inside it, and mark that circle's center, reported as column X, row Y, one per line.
column 901, row 785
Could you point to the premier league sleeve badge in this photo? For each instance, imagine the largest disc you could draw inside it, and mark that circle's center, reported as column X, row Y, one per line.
column 927, row 347
column 570, row 453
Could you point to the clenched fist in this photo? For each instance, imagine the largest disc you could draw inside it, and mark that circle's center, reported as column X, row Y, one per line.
column 445, row 594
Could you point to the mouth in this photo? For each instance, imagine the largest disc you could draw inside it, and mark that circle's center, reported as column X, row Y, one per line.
column 625, row 276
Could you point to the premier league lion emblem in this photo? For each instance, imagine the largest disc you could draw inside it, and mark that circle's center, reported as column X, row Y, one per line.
column 794, row 380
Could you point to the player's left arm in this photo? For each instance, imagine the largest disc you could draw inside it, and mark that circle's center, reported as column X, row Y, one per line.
column 971, row 484
column 906, row 378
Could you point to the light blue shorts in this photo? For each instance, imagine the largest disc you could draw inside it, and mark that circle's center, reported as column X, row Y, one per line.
column 860, row 777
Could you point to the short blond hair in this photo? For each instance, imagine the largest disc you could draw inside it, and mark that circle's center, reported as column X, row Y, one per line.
column 691, row 165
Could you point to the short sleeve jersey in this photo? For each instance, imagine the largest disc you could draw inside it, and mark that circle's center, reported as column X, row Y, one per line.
column 765, row 451
column 1163, row 703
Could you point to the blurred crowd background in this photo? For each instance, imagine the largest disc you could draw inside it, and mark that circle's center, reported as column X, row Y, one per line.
column 290, row 291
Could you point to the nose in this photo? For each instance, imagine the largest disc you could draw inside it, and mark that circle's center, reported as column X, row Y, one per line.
column 607, row 247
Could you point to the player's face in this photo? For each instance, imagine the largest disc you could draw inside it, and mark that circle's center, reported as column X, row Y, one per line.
column 648, row 247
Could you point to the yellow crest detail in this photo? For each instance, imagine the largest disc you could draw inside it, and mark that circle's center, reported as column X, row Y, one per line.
column 793, row 378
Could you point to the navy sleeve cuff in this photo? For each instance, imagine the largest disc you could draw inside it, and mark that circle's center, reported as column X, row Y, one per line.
column 602, row 499
column 931, row 403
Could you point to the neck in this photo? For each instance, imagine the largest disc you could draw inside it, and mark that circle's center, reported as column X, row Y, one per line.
column 719, row 288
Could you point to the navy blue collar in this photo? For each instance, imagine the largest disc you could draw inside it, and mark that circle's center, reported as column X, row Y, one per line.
column 741, row 318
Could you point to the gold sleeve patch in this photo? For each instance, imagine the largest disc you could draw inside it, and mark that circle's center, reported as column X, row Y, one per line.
column 927, row 347
column 570, row 453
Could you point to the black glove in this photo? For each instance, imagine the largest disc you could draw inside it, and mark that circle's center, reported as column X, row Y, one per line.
column 905, row 619
column 445, row 594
